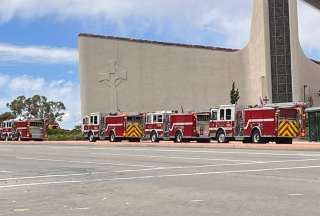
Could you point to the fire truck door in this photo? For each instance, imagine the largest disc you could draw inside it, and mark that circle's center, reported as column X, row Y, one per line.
column 166, row 125
column 239, row 123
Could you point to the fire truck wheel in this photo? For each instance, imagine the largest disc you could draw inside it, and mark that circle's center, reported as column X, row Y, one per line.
column 6, row 138
column 154, row 137
column 256, row 137
column 221, row 137
column 113, row 137
column 91, row 137
column 178, row 137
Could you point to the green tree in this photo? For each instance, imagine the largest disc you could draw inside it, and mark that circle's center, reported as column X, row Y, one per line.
column 37, row 107
column 234, row 94
column 6, row 116
column 17, row 106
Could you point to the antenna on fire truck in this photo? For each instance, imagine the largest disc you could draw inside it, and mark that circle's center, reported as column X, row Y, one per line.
column 182, row 111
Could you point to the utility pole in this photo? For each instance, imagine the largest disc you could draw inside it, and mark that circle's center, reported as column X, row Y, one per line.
column 304, row 92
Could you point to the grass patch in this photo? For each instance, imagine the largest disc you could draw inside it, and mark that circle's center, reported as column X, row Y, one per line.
column 65, row 135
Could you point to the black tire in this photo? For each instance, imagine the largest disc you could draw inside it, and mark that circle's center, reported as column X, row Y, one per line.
column 91, row 137
column 6, row 138
column 256, row 137
column 154, row 137
column 178, row 137
column 112, row 137
column 221, row 137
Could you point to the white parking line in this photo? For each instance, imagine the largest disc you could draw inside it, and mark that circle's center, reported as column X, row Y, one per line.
column 158, row 149
column 157, row 176
column 211, row 151
column 5, row 171
column 212, row 165
column 81, row 162
column 149, row 169
column 169, row 157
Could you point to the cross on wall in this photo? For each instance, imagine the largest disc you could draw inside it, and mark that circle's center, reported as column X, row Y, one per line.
column 113, row 76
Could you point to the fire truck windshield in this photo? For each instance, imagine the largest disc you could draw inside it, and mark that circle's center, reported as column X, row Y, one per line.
column 203, row 117
column 36, row 124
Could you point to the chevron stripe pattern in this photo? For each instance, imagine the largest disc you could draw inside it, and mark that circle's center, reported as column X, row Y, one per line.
column 288, row 129
column 134, row 130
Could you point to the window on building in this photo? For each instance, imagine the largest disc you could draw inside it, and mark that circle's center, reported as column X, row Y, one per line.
column 228, row 114
column 222, row 114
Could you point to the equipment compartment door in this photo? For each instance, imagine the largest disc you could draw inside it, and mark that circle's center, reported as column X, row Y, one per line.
column 134, row 127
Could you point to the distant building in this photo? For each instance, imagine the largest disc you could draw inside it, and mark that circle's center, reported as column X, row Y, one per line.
column 136, row 75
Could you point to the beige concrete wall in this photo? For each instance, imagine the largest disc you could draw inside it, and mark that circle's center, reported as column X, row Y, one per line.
column 166, row 77
column 304, row 71
column 159, row 77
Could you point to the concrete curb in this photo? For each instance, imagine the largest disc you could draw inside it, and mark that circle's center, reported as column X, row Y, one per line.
column 298, row 145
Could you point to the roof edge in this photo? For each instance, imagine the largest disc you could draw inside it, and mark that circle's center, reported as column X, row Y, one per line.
column 315, row 61
column 158, row 42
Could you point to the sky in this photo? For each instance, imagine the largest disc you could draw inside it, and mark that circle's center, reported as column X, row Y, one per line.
column 38, row 39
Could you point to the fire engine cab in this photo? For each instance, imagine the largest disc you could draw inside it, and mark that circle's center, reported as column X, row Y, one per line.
column 92, row 126
column 257, row 125
column 18, row 130
column 114, row 127
column 178, row 127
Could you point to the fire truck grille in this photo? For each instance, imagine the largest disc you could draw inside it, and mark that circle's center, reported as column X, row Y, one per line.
column 134, row 130
column 36, row 132
column 288, row 129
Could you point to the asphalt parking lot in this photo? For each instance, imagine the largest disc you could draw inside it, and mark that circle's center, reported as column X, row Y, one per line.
column 100, row 180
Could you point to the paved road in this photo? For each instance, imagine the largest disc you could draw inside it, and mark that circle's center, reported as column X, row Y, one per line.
column 99, row 180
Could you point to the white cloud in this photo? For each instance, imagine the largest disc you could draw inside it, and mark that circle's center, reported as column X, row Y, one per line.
column 3, row 80
column 186, row 21
column 3, row 103
column 219, row 23
column 58, row 90
column 25, row 84
column 37, row 54
column 309, row 19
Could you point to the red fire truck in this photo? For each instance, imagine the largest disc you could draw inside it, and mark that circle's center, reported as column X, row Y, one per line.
column 177, row 127
column 18, row 130
column 257, row 125
column 114, row 127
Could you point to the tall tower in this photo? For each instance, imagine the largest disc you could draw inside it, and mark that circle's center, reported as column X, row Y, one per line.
column 280, row 50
